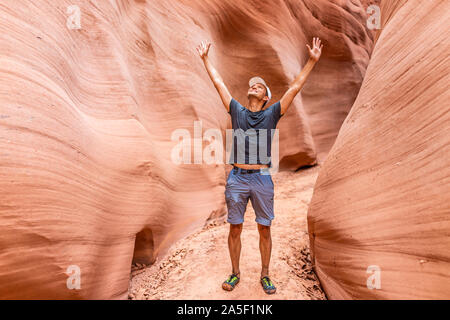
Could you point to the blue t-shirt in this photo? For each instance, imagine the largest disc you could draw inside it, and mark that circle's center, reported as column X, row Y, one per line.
column 253, row 133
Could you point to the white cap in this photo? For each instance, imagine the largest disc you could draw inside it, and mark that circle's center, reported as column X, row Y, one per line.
column 261, row 81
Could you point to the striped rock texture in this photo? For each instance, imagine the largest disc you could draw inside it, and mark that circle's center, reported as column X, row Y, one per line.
column 87, row 183
column 379, row 219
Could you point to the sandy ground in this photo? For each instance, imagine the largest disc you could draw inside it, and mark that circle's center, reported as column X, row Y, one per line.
column 197, row 265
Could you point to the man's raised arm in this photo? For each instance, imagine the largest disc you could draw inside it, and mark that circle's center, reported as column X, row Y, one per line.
column 217, row 80
column 297, row 85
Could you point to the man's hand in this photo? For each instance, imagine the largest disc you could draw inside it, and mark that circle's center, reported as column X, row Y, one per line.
column 203, row 49
column 316, row 50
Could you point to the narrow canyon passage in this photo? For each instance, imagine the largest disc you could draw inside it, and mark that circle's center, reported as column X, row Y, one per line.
column 97, row 96
column 196, row 266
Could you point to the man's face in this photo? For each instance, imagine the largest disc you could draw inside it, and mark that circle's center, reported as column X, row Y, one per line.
column 257, row 90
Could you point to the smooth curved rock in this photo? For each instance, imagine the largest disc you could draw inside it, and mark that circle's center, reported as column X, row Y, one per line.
column 382, row 199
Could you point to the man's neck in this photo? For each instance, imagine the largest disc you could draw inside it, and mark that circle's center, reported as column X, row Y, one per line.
column 255, row 105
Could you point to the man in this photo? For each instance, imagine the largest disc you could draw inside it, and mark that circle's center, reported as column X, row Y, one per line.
column 249, row 178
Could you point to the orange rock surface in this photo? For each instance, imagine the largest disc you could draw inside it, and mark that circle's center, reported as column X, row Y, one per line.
column 87, row 115
column 379, row 220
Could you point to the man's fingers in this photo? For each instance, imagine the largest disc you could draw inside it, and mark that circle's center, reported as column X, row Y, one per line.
column 203, row 48
column 308, row 47
column 199, row 50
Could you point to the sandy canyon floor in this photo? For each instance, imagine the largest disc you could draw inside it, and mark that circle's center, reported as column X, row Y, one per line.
column 197, row 265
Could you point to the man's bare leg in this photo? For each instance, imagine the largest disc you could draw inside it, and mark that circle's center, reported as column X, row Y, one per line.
column 234, row 246
column 265, row 247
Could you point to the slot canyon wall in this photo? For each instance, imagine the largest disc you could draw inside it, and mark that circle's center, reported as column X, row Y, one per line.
column 87, row 116
column 379, row 219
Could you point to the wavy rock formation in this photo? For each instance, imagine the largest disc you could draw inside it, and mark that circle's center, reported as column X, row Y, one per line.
column 379, row 220
column 87, row 117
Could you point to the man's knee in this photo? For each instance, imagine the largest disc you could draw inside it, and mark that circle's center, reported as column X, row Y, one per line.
column 264, row 231
column 235, row 230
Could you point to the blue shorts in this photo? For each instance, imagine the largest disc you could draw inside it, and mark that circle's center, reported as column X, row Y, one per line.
column 256, row 186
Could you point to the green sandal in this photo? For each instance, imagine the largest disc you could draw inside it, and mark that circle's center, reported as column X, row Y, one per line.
column 231, row 282
column 268, row 285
